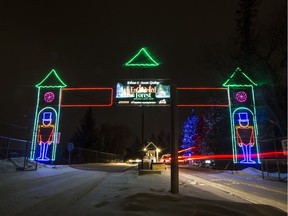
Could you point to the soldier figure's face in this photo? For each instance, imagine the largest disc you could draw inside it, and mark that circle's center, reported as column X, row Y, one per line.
column 47, row 118
column 47, row 122
column 243, row 123
column 243, row 119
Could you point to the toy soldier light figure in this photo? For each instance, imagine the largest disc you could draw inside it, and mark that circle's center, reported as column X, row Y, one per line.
column 245, row 137
column 45, row 135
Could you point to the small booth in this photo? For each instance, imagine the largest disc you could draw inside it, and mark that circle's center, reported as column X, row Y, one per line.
column 150, row 160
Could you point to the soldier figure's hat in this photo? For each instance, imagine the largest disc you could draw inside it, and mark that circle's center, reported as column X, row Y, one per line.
column 243, row 117
column 47, row 116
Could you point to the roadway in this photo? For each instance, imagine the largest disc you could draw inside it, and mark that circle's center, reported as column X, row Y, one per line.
column 93, row 188
column 247, row 186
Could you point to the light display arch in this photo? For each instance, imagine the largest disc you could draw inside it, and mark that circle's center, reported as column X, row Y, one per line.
column 241, row 104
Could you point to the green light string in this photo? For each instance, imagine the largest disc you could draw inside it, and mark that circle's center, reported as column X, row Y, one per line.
column 142, row 53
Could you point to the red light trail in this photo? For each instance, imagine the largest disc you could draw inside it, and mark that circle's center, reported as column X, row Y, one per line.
column 263, row 155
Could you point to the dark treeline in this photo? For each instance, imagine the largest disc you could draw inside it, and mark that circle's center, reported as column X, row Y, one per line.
column 116, row 139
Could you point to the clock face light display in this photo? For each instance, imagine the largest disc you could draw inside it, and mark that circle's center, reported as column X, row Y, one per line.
column 241, row 96
column 49, row 97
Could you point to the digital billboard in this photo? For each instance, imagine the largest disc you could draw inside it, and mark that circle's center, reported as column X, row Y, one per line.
column 142, row 92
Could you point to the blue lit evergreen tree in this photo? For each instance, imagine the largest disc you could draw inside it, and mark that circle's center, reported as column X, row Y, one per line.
column 189, row 132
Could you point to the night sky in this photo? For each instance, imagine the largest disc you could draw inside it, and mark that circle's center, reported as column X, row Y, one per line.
column 87, row 43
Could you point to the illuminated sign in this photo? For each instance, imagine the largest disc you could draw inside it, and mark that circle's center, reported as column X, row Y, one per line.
column 142, row 92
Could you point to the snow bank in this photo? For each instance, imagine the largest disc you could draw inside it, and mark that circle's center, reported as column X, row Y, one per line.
column 153, row 204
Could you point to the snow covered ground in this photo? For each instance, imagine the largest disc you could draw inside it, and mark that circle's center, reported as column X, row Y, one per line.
column 96, row 192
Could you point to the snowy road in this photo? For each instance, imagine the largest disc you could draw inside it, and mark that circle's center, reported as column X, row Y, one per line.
column 56, row 191
column 247, row 186
column 92, row 189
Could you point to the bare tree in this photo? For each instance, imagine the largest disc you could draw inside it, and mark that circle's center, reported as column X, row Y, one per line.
column 272, row 55
column 261, row 51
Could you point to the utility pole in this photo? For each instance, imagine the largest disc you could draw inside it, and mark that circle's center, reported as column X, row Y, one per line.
column 142, row 125
column 174, row 141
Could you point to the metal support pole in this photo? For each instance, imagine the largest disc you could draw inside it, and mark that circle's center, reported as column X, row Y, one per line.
column 142, row 125
column 174, row 142
column 25, row 156
column 156, row 155
column 69, row 157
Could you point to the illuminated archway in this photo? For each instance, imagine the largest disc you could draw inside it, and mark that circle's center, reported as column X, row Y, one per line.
column 241, row 104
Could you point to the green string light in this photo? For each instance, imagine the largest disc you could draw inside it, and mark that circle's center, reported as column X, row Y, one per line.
column 52, row 80
column 142, row 59
column 235, row 77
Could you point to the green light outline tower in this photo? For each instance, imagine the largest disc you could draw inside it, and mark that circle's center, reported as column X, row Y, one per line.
column 239, row 82
column 48, row 99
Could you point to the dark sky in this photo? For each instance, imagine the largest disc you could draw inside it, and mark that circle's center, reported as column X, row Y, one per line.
column 87, row 43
